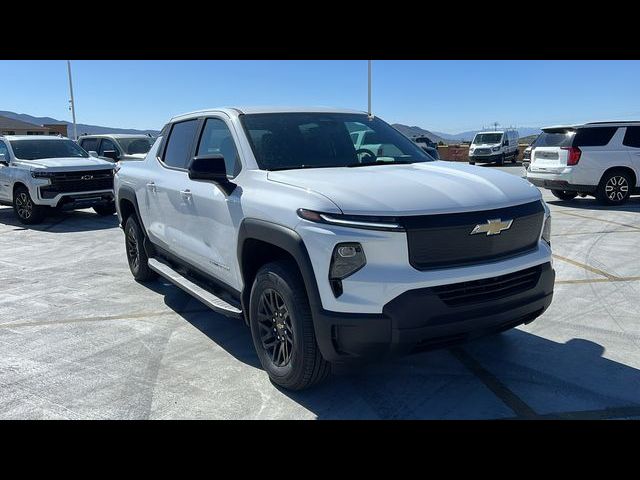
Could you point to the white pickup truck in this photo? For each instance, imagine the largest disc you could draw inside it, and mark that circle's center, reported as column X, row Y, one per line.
column 38, row 173
column 332, row 252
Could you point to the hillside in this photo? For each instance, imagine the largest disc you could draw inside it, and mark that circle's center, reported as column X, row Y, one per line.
column 468, row 135
column 414, row 131
column 82, row 127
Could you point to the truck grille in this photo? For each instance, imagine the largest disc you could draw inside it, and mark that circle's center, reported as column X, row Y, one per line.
column 83, row 181
column 443, row 241
column 482, row 151
column 477, row 291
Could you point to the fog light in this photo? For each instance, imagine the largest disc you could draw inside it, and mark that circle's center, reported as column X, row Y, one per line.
column 546, row 230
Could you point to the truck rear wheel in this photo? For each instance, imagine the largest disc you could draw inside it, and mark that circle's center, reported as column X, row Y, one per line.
column 136, row 254
column 282, row 328
column 615, row 188
column 564, row 194
column 27, row 212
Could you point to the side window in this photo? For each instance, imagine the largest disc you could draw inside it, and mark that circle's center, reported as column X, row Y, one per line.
column 90, row 144
column 178, row 149
column 632, row 137
column 106, row 144
column 593, row 136
column 216, row 139
column 4, row 151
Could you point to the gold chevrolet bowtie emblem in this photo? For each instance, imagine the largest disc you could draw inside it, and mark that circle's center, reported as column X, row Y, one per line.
column 492, row 227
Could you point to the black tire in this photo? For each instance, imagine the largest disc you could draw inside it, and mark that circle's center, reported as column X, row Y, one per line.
column 501, row 160
column 472, row 163
column 564, row 194
column 136, row 254
column 27, row 212
column 514, row 160
column 282, row 328
column 105, row 210
column 614, row 188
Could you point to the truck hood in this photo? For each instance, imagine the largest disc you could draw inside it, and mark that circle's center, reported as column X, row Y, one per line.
column 68, row 164
column 414, row 189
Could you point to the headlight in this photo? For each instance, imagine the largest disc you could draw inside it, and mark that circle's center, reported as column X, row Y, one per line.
column 495, row 149
column 347, row 259
column 39, row 174
column 546, row 230
column 354, row 221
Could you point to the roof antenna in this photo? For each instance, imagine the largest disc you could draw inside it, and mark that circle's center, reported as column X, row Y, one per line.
column 369, row 114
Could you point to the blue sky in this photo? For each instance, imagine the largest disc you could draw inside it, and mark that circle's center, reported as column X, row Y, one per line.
column 445, row 96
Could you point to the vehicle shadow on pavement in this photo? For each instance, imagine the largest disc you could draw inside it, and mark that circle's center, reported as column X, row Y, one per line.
column 231, row 334
column 515, row 374
column 62, row 222
column 633, row 205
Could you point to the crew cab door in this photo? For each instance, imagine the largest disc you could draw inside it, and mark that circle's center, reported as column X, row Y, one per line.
column 210, row 217
column 5, row 183
column 168, row 176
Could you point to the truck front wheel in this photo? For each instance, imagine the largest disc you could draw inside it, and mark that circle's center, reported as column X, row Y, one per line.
column 27, row 212
column 282, row 328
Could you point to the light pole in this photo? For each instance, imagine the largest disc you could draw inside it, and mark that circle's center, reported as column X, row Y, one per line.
column 73, row 107
column 369, row 92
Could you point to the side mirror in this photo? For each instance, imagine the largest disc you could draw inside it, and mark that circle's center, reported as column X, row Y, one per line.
column 112, row 154
column 211, row 168
column 93, row 153
column 4, row 160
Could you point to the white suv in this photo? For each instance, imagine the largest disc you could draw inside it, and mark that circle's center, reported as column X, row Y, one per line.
column 600, row 159
column 38, row 173
column 331, row 251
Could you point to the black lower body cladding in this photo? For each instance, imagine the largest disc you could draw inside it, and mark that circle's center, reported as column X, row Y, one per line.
column 428, row 318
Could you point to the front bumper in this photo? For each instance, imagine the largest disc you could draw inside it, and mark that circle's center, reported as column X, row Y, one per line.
column 421, row 319
column 485, row 158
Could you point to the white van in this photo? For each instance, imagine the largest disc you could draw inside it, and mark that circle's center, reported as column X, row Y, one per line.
column 599, row 158
column 494, row 147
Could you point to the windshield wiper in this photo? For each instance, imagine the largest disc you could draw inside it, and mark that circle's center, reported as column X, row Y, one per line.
column 368, row 164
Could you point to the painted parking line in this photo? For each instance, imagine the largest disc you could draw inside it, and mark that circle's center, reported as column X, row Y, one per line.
column 598, row 219
column 131, row 316
column 587, row 267
column 597, row 280
column 499, row 389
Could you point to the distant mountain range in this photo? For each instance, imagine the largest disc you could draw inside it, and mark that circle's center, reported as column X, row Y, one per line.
column 468, row 135
column 83, row 128
column 417, row 131
column 454, row 137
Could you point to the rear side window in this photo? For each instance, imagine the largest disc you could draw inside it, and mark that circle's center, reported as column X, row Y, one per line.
column 179, row 143
column 632, row 137
column 90, row 144
column 594, row 137
column 216, row 139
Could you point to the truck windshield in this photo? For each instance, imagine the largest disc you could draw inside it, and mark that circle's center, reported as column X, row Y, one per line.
column 487, row 138
column 131, row 146
column 283, row 141
column 39, row 149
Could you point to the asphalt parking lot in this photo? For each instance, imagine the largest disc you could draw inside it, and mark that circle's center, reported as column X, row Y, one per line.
column 79, row 338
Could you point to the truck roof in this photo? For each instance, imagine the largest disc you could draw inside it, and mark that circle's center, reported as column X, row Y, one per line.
column 602, row 123
column 115, row 135
column 234, row 111
column 33, row 137
column 497, row 131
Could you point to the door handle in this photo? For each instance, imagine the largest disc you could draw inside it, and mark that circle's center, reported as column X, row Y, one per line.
column 186, row 195
column 151, row 186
